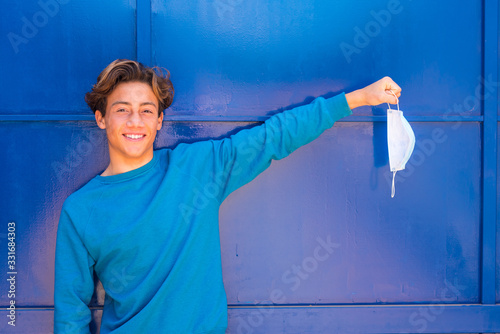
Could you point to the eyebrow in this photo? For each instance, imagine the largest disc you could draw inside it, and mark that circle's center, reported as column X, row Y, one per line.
column 128, row 103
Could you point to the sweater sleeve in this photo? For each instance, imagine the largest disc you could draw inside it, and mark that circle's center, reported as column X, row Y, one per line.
column 74, row 284
column 241, row 157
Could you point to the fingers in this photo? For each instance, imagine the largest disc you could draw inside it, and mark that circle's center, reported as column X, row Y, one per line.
column 390, row 85
column 392, row 89
column 384, row 90
column 391, row 97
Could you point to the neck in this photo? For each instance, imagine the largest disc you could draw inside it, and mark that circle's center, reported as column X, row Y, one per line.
column 120, row 166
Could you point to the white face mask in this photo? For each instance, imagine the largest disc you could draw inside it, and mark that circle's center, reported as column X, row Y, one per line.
column 400, row 140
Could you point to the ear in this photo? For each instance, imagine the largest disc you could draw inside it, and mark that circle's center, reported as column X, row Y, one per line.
column 99, row 118
column 160, row 121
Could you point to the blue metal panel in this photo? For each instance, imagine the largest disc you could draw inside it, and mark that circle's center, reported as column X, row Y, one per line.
column 390, row 250
column 52, row 51
column 253, row 57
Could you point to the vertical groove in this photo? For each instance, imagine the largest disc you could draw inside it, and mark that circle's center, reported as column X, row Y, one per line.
column 143, row 26
column 490, row 111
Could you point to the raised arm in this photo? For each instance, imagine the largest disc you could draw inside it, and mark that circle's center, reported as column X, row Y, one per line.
column 232, row 162
column 241, row 157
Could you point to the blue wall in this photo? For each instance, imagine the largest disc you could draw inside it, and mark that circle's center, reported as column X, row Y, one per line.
column 426, row 261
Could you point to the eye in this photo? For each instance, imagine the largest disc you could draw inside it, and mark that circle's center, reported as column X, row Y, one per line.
column 121, row 110
column 148, row 111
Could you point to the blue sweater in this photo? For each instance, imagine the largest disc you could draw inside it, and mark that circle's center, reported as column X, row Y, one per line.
column 152, row 234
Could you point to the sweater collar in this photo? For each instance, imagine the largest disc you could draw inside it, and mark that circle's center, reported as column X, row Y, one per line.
column 130, row 174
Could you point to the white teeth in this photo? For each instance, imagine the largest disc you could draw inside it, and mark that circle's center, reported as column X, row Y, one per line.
column 134, row 136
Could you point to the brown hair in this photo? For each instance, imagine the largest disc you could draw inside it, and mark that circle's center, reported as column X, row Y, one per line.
column 124, row 70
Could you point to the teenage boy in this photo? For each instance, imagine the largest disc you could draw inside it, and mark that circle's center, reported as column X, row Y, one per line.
column 141, row 225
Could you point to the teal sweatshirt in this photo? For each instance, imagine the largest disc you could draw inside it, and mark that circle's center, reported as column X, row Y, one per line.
column 152, row 234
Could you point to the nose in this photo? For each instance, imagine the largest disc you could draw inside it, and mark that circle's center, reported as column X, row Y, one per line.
column 135, row 120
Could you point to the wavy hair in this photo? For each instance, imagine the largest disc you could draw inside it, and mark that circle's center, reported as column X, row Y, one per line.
column 124, row 70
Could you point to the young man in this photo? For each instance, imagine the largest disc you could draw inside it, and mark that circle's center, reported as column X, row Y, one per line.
column 140, row 225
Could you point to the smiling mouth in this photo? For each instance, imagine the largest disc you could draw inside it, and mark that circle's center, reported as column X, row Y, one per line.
column 134, row 137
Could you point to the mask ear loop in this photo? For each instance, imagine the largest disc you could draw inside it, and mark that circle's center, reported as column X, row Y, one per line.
column 397, row 100
column 393, row 190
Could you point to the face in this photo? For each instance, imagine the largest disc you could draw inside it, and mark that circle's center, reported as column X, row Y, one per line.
column 131, row 121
